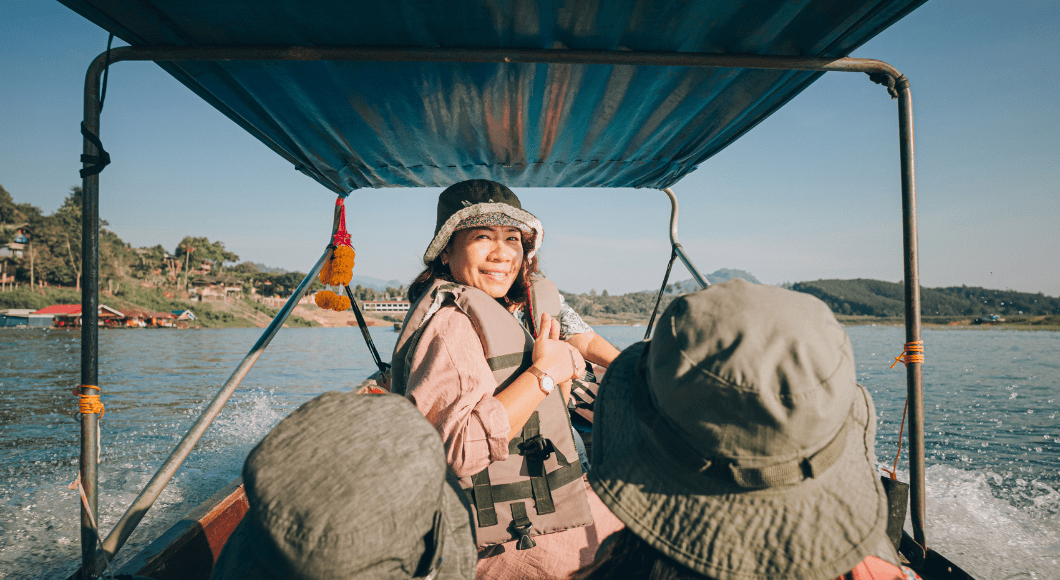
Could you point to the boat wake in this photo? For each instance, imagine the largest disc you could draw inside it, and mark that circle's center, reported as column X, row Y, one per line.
column 994, row 525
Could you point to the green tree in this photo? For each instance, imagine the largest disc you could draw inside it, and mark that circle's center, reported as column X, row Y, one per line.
column 245, row 268
column 57, row 242
column 12, row 213
column 192, row 248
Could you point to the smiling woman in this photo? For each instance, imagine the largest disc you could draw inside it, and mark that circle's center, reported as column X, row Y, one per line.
column 473, row 360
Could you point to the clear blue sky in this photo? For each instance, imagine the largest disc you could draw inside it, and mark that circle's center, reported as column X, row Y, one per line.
column 813, row 192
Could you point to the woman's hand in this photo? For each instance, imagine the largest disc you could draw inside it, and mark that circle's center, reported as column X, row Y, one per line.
column 556, row 358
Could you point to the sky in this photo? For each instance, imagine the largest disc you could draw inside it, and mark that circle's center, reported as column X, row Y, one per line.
column 812, row 193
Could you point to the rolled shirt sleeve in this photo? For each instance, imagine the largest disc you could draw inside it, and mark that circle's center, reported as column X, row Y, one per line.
column 453, row 386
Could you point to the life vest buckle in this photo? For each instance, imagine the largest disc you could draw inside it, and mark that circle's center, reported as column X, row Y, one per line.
column 537, row 448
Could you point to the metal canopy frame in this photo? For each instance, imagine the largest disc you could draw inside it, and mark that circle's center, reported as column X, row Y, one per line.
column 878, row 71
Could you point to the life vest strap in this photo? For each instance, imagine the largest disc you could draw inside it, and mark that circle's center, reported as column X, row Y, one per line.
column 536, row 450
column 507, row 361
column 521, row 526
column 481, row 494
column 506, row 492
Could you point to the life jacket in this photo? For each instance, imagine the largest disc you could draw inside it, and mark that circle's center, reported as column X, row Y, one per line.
column 538, row 489
column 873, row 568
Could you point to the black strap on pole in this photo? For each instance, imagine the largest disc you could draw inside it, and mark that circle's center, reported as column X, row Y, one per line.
column 103, row 159
column 662, row 289
column 106, row 72
column 383, row 367
column 98, row 161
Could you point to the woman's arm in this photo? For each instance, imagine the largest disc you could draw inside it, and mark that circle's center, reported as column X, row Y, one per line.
column 453, row 386
column 577, row 333
column 556, row 359
column 594, row 348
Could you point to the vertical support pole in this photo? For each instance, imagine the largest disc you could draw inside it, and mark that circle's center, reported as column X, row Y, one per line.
column 89, row 329
column 914, row 371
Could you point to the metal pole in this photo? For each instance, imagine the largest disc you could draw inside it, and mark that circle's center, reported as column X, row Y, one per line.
column 150, row 493
column 677, row 245
column 500, row 55
column 90, row 331
column 914, row 370
column 364, row 330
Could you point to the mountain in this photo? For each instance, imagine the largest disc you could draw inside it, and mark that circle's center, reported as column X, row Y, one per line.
column 363, row 281
column 877, row 298
column 266, row 269
column 718, row 276
column 375, row 283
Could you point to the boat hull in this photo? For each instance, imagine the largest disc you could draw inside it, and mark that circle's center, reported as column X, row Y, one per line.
column 189, row 549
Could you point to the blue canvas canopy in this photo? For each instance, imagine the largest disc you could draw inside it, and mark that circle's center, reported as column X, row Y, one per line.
column 351, row 124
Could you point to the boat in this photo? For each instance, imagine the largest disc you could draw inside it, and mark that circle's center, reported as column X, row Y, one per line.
column 621, row 93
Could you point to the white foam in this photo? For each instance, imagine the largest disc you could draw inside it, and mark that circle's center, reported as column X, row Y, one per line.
column 993, row 525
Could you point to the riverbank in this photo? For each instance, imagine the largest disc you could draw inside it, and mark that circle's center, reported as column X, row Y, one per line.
column 231, row 313
column 246, row 313
column 1045, row 322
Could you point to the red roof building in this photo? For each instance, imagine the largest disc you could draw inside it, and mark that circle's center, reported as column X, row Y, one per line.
column 66, row 309
column 70, row 314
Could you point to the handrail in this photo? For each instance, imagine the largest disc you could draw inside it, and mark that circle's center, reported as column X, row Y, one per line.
column 678, row 248
column 878, row 71
column 498, row 55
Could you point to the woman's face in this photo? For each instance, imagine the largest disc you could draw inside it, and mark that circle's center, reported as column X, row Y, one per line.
column 487, row 258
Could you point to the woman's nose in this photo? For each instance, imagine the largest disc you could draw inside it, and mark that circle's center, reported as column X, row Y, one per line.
column 501, row 252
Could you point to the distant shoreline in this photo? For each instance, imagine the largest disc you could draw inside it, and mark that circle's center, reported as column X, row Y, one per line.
column 1015, row 323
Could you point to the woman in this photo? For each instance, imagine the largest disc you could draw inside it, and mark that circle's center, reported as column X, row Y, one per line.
column 497, row 390
column 737, row 445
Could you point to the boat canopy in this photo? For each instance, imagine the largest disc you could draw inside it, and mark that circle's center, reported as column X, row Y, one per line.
column 356, row 124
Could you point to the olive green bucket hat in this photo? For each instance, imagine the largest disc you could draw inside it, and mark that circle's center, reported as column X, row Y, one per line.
column 350, row 486
column 737, row 441
column 480, row 202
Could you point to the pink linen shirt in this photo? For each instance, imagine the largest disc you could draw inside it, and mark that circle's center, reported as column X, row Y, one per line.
column 453, row 386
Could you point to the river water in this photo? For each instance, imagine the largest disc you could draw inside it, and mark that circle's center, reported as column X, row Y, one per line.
column 992, row 400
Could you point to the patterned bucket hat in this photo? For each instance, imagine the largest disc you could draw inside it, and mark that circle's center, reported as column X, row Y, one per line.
column 477, row 203
column 737, row 441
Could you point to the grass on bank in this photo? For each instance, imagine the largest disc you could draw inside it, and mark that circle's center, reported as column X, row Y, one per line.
column 236, row 313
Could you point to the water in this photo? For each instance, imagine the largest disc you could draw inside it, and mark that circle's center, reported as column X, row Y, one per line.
column 991, row 408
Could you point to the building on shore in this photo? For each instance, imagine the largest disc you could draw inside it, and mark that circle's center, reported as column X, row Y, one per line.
column 69, row 315
column 386, row 306
column 24, row 317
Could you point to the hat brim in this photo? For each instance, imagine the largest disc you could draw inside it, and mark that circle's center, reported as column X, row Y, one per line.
column 818, row 529
column 239, row 560
column 441, row 239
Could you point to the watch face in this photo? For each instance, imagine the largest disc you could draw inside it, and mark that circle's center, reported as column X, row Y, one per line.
column 547, row 384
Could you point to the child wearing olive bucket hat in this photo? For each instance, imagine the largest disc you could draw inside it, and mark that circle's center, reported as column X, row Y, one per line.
column 350, row 486
column 736, row 445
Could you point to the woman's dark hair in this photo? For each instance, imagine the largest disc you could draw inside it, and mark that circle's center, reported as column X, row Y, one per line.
column 436, row 270
column 625, row 555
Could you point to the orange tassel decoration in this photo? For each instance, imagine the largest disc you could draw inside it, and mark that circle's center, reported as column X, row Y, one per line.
column 328, row 300
column 338, row 270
